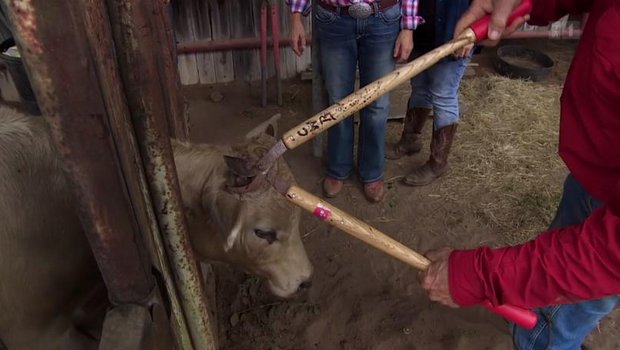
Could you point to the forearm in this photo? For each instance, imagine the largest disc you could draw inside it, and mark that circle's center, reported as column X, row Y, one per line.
column 296, row 18
column 560, row 266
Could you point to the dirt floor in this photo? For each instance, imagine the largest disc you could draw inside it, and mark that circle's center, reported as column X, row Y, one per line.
column 503, row 188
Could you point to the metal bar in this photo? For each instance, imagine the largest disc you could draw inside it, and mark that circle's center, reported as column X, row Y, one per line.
column 99, row 33
column 263, row 52
column 277, row 57
column 197, row 46
column 136, row 51
column 81, row 132
column 177, row 115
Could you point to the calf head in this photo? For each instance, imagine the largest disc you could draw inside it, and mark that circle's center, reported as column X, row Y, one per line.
column 257, row 232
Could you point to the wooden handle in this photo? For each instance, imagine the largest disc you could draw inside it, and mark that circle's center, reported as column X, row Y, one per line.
column 336, row 217
column 366, row 95
column 355, row 227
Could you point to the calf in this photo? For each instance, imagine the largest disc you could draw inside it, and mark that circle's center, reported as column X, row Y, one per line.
column 46, row 264
column 258, row 233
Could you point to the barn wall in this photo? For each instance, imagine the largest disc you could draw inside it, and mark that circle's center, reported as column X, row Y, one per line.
column 229, row 19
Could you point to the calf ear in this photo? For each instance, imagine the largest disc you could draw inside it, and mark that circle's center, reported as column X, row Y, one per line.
column 268, row 127
column 271, row 130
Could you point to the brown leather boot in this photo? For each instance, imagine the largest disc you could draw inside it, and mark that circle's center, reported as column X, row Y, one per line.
column 437, row 163
column 374, row 191
column 331, row 187
column 409, row 142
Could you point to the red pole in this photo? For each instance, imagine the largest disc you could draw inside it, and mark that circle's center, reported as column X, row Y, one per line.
column 225, row 45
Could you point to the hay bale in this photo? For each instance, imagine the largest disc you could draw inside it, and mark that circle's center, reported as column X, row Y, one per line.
column 505, row 155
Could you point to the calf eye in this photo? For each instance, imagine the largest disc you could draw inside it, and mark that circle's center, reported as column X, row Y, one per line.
column 268, row 235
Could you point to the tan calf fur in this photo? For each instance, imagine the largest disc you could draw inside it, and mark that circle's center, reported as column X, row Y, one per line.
column 46, row 265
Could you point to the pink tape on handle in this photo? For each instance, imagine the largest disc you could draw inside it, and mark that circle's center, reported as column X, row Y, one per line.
column 322, row 212
column 481, row 26
column 520, row 316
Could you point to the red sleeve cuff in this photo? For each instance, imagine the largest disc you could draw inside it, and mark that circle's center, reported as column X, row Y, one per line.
column 465, row 286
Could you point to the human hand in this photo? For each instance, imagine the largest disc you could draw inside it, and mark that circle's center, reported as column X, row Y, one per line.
column 463, row 52
column 434, row 280
column 298, row 34
column 403, row 46
column 500, row 10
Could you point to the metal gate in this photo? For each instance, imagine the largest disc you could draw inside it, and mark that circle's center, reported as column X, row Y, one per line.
column 104, row 74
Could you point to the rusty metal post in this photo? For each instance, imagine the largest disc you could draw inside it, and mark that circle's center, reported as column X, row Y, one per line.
column 100, row 36
column 136, row 35
column 75, row 75
column 61, row 68
column 177, row 113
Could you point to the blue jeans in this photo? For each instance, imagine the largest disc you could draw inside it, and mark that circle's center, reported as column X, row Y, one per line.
column 437, row 88
column 345, row 43
column 564, row 327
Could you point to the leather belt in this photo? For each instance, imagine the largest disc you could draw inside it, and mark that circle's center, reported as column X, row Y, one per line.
column 360, row 9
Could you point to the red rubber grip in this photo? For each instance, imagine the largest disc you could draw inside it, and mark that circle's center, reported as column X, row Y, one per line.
column 520, row 316
column 481, row 26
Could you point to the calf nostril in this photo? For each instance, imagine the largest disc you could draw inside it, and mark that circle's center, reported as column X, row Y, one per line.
column 305, row 285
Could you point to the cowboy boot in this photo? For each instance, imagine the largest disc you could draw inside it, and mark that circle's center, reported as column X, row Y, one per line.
column 437, row 163
column 374, row 191
column 331, row 187
column 410, row 139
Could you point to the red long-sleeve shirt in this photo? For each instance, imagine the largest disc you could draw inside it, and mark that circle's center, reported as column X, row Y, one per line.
column 582, row 261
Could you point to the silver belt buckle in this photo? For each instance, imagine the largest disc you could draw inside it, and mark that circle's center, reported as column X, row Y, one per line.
column 360, row 10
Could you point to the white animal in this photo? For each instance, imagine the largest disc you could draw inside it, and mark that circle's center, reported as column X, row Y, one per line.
column 46, row 264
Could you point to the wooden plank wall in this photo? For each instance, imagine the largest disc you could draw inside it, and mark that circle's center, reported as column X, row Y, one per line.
column 227, row 19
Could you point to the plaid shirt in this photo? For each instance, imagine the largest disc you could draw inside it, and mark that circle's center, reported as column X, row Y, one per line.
column 409, row 8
